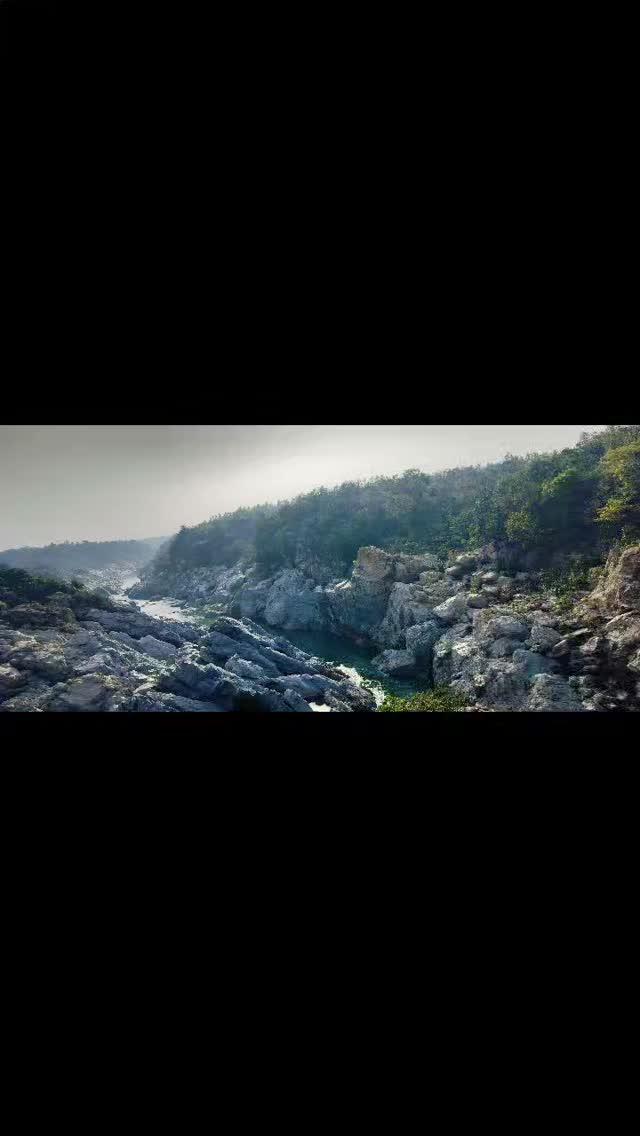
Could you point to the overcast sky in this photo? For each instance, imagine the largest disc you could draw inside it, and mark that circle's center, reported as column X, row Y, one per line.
column 109, row 482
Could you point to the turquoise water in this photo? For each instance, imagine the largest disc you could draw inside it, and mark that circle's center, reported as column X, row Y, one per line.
column 342, row 652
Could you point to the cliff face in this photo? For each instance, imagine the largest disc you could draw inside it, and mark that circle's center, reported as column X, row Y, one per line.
column 498, row 638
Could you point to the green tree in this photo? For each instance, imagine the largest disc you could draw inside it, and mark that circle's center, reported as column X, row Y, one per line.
column 622, row 467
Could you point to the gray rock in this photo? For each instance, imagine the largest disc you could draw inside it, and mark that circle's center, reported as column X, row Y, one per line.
column 46, row 660
column 407, row 569
column 251, row 601
column 452, row 610
column 38, row 615
column 552, row 693
column 245, row 669
column 489, row 626
column 543, row 638
column 31, row 699
column 405, row 609
column 360, row 604
column 452, row 652
column 420, row 639
column 90, row 694
column 477, row 600
column 396, row 663
column 208, row 683
column 219, row 646
column 502, row 648
column 296, row 702
column 156, row 648
column 544, row 619
column 10, row 680
column 156, row 702
column 306, row 685
column 103, row 662
column 293, row 603
column 137, row 625
column 529, row 663
column 619, row 589
column 561, row 649
column 467, row 562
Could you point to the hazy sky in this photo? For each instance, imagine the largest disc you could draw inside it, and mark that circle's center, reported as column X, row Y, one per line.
column 108, row 482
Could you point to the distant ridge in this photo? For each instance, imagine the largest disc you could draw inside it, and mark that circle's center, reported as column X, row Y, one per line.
column 69, row 557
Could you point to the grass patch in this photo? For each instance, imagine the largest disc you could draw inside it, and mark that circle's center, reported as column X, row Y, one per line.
column 442, row 700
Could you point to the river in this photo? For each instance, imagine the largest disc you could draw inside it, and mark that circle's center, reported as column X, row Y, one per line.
column 166, row 608
column 353, row 661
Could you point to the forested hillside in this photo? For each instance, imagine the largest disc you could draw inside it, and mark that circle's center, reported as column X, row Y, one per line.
column 65, row 559
column 582, row 499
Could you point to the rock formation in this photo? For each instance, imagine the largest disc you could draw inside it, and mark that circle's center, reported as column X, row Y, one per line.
column 495, row 637
column 65, row 656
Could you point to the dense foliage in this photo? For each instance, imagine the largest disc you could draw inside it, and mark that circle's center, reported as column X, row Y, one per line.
column 582, row 499
column 442, row 700
column 18, row 586
column 31, row 589
column 69, row 557
column 221, row 541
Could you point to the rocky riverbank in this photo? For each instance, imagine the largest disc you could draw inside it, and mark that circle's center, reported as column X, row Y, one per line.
column 496, row 637
column 66, row 655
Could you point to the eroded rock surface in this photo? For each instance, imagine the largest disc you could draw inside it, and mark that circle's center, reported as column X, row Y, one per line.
column 491, row 634
column 115, row 659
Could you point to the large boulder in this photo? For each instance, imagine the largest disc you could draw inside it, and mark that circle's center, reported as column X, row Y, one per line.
column 543, row 639
column 502, row 648
column 619, row 589
column 489, row 625
column 420, row 639
column 477, row 600
column 452, row 652
column 436, row 587
column 396, row 663
column 296, row 703
column 47, row 660
column 467, row 561
column 452, row 610
column 294, row 603
column 244, row 669
column 38, row 615
column 306, row 685
column 360, row 603
column 206, row 682
column 89, row 694
column 137, row 625
column 552, row 694
column 215, row 645
column 106, row 662
column 152, row 701
column 405, row 609
column 157, row 648
column 10, row 680
column 622, row 634
column 529, row 663
column 251, row 600
column 408, row 568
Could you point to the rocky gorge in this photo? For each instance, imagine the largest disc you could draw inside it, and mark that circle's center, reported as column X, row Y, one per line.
column 74, row 652
column 496, row 637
